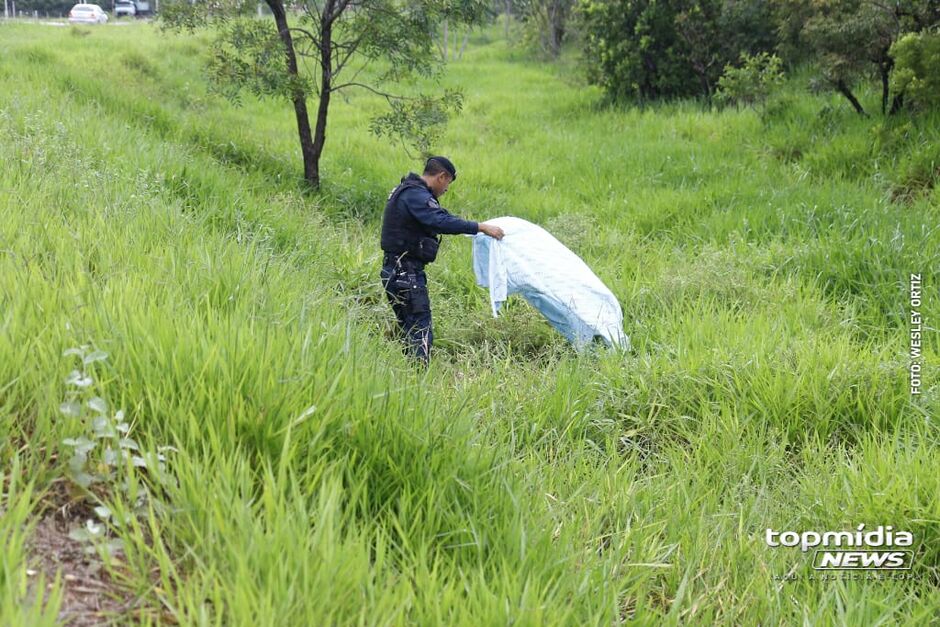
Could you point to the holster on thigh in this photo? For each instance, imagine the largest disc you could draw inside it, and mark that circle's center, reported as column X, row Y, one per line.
column 419, row 301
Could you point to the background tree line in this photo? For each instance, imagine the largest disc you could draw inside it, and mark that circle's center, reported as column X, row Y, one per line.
column 654, row 49
column 636, row 50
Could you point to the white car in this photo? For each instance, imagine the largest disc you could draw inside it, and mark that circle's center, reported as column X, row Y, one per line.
column 125, row 7
column 87, row 14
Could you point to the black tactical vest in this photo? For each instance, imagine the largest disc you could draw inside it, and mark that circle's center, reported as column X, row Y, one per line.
column 400, row 231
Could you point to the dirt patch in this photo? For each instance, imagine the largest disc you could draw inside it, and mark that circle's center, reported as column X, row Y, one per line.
column 89, row 594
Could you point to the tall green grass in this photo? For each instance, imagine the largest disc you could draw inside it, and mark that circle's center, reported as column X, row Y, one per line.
column 762, row 260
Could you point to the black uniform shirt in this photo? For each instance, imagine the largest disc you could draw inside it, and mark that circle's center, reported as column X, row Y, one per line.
column 422, row 204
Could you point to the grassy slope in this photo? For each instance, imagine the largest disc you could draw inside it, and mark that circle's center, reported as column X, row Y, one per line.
column 762, row 266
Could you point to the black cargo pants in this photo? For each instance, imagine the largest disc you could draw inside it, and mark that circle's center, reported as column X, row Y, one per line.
column 406, row 286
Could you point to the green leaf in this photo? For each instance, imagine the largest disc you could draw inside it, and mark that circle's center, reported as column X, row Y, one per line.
column 78, row 379
column 71, row 409
column 129, row 444
column 83, row 479
column 110, row 456
column 82, row 445
column 102, row 427
column 95, row 356
column 79, row 534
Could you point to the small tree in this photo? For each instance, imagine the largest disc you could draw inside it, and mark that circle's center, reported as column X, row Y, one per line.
column 547, row 23
column 339, row 37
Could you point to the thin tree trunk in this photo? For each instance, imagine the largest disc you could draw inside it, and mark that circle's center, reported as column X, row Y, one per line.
column 508, row 14
column 307, row 147
column 556, row 23
column 463, row 46
column 897, row 103
column 884, row 90
column 843, row 89
column 701, row 70
column 326, row 83
column 885, row 67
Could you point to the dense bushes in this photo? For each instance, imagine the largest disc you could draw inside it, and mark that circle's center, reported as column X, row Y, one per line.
column 648, row 49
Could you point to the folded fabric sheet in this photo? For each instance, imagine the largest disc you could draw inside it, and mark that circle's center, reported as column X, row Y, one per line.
column 554, row 280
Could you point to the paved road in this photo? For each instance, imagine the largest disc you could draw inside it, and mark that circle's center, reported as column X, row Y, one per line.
column 65, row 22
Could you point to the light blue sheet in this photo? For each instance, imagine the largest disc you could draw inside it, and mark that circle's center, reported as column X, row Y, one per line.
column 531, row 262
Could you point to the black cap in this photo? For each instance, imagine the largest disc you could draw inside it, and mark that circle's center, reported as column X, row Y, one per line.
column 445, row 163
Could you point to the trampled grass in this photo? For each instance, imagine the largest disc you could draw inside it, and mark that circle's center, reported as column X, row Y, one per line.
column 762, row 260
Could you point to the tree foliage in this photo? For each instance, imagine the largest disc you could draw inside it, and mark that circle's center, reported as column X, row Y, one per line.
column 645, row 49
column 651, row 49
column 917, row 68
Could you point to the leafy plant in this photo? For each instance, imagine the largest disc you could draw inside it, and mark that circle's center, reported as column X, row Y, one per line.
column 103, row 455
column 751, row 83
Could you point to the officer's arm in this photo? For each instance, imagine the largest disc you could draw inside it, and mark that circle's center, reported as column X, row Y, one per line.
column 429, row 212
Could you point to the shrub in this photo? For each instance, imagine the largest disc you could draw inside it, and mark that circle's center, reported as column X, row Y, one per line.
column 632, row 49
column 916, row 72
column 751, row 83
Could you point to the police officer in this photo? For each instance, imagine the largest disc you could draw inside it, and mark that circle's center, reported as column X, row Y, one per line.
column 411, row 229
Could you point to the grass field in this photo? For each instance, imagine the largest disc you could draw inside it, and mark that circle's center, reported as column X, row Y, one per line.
column 316, row 477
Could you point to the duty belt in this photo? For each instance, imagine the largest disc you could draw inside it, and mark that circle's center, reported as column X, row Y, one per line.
column 403, row 259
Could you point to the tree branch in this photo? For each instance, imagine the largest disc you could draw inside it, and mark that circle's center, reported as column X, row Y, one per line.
column 326, row 16
column 355, row 74
column 340, row 7
column 313, row 38
column 315, row 14
column 384, row 94
column 341, row 63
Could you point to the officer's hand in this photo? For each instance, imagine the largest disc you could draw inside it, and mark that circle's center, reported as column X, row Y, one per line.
column 492, row 230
